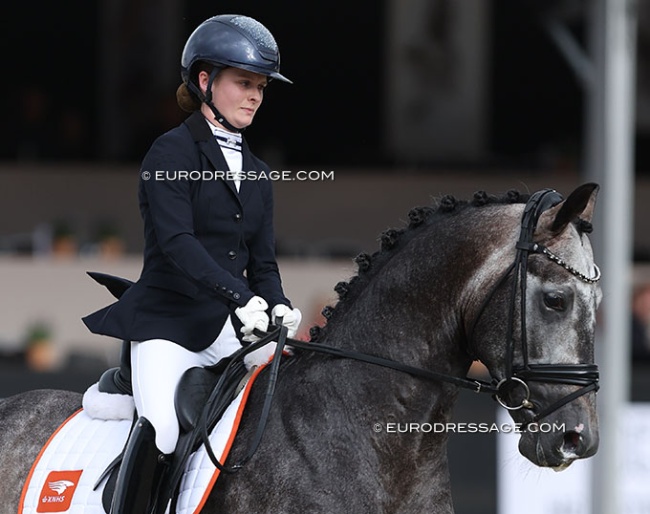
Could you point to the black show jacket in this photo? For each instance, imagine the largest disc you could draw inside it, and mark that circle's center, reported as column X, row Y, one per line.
column 208, row 248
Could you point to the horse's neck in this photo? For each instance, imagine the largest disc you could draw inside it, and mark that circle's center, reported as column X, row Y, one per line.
column 409, row 312
column 413, row 322
column 381, row 421
column 362, row 419
column 372, row 391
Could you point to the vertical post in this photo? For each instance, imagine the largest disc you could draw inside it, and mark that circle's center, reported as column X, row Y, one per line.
column 610, row 143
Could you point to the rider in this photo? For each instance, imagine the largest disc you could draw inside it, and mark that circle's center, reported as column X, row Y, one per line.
column 209, row 260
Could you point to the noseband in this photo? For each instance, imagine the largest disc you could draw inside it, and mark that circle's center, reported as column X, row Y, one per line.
column 517, row 377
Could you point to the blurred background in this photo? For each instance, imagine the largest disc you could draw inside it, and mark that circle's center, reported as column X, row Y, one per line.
column 404, row 101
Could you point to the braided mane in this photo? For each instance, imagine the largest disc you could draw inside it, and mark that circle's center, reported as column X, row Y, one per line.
column 392, row 240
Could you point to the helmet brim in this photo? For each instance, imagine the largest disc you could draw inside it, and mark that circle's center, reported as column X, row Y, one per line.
column 279, row 76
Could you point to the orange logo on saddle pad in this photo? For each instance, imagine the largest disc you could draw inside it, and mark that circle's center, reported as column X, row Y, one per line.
column 58, row 490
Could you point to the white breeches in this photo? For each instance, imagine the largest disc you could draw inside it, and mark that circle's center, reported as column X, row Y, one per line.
column 156, row 368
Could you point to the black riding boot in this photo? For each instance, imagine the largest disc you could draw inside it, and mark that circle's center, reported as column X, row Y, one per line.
column 141, row 472
column 118, row 380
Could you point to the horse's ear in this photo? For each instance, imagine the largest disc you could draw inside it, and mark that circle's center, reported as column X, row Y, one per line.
column 579, row 204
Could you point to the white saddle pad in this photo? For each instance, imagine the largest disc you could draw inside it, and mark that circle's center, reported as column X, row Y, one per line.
column 67, row 468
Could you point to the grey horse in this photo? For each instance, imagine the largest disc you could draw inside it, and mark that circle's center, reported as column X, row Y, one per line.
column 442, row 291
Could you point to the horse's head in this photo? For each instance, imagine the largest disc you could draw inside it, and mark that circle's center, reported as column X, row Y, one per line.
column 535, row 330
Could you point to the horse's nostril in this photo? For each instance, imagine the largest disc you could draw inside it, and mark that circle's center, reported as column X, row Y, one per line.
column 572, row 442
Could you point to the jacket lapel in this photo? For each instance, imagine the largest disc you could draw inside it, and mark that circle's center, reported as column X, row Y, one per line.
column 246, row 186
column 209, row 147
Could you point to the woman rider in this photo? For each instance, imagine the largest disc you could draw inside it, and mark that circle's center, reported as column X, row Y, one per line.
column 209, row 272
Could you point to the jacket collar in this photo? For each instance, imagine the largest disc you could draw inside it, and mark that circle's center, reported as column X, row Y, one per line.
column 208, row 145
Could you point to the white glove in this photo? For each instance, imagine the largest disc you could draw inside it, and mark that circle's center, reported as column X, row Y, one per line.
column 253, row 316
column 291, row 318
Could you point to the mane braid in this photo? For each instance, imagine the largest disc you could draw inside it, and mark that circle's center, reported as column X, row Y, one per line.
column 393, row 240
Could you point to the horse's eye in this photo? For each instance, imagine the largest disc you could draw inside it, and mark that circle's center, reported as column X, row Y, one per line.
column 555, row 301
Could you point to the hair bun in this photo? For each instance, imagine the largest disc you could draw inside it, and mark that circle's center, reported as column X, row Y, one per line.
column 186, row 99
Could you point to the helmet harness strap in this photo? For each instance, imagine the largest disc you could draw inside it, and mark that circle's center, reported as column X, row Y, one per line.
column 207, row 99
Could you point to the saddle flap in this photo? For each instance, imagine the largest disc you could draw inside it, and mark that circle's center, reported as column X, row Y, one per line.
column 192, row 392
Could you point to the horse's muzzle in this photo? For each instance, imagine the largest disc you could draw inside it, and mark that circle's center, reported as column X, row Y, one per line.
column 558, row 449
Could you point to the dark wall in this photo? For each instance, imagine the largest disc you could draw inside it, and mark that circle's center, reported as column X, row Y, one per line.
column 332, row 51
column 335, row 53
column 48, row 91
column 537, row 104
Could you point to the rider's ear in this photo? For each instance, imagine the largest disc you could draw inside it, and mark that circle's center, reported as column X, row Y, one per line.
column 580, row 204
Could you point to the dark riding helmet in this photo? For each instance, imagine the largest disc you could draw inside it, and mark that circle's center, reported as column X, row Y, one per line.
column 232, row 40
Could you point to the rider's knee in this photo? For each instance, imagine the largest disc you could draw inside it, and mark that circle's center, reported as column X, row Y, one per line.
column 167, row 433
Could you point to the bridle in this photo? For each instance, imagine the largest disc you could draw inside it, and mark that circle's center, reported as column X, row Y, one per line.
column 585, row 375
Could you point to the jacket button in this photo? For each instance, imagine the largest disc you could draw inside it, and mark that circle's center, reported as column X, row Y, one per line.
column 237, row 217
column 236, row 296
column 232, row 255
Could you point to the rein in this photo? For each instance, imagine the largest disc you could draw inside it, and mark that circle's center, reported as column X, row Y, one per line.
column 585, row 375
column 280, row 334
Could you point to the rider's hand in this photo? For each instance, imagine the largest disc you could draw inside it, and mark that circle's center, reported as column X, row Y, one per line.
column 253, row 316
column 290, row 318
